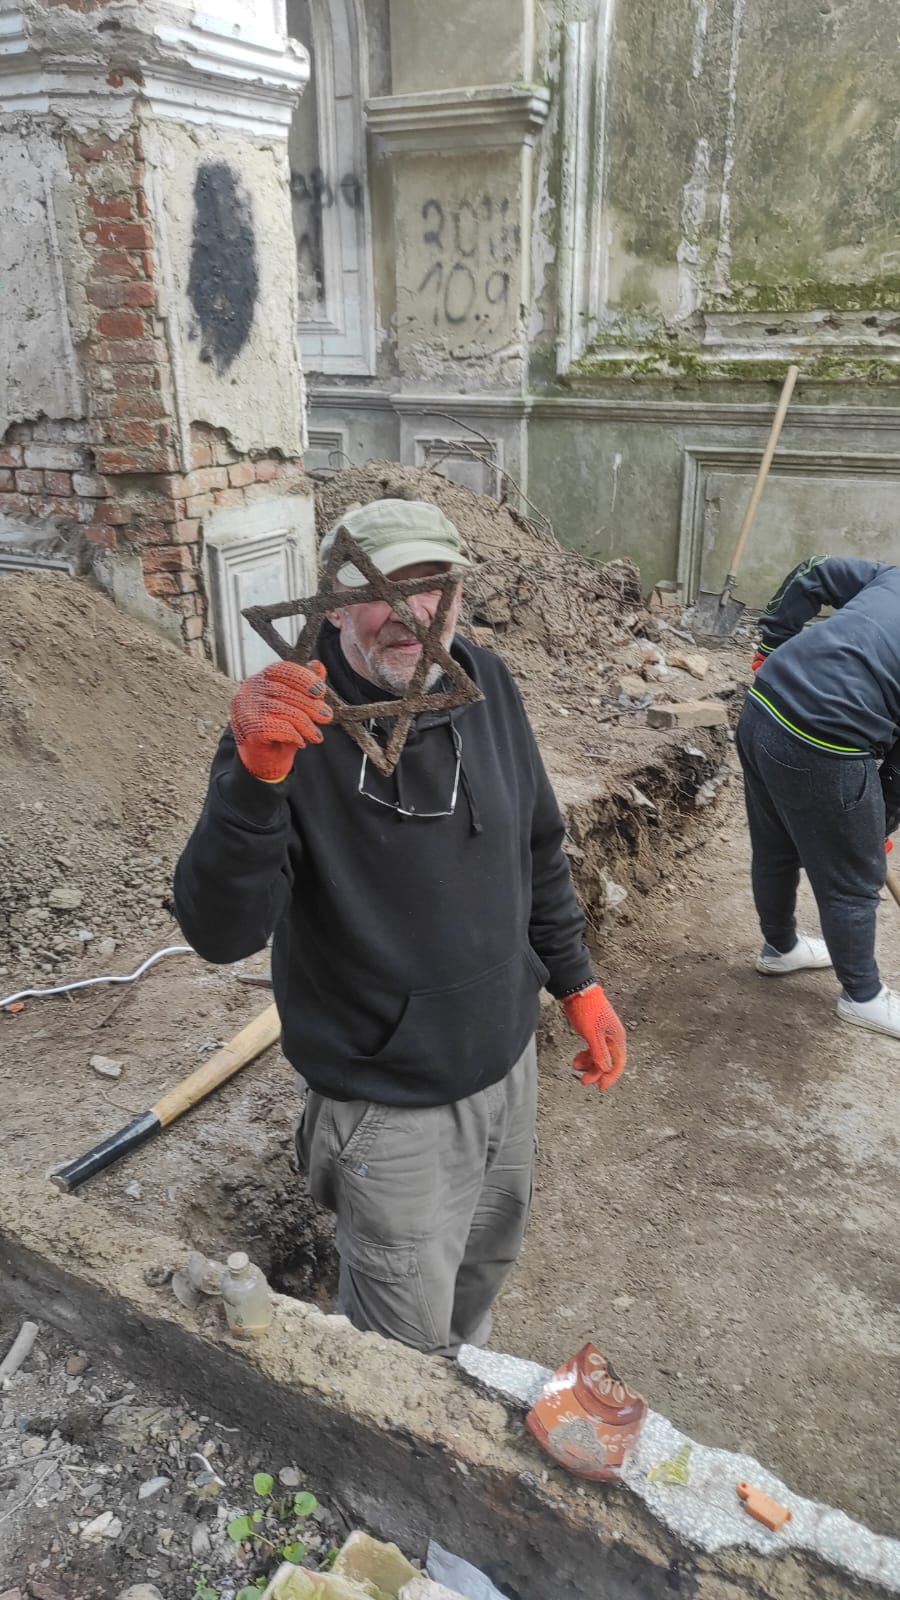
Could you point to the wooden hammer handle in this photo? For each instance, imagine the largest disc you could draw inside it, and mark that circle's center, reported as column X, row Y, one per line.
column 250, row 1042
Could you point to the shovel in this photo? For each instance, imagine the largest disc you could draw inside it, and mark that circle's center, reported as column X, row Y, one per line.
column 717, row 615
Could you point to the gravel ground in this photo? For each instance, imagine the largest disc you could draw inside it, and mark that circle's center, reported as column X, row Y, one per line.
column 104, row 1485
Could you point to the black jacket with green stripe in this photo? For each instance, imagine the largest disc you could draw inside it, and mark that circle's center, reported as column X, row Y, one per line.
column 837, row 685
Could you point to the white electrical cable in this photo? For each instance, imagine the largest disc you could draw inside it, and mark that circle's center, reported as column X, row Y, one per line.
column 87, row 983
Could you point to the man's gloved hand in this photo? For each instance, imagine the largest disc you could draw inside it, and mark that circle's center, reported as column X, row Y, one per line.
column 276, row 713
column 590, row 1014
column 757, row 661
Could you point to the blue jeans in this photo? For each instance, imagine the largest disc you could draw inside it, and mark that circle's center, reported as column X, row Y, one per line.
column 824, row 813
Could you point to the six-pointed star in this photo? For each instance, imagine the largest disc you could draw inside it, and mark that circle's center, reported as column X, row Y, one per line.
column 329, row 597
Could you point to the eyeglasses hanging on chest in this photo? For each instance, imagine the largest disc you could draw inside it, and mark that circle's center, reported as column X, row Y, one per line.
column 411, row 810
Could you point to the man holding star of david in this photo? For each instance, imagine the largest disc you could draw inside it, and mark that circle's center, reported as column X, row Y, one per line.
column 415, row 918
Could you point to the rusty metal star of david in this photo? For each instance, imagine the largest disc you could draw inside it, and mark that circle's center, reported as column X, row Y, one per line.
column 329, row 597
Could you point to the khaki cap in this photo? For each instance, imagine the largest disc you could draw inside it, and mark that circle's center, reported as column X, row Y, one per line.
column 395, row 534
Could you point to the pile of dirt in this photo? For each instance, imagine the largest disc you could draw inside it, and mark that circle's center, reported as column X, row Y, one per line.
column 107, row 733
column 569, row 630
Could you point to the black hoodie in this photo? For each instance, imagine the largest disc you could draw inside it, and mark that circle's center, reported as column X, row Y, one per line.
column 408, row 952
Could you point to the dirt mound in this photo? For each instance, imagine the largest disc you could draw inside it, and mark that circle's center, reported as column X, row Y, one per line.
column 107, row 732
column 534, row 595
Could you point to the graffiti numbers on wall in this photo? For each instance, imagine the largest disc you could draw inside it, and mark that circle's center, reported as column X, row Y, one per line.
column 473, row 245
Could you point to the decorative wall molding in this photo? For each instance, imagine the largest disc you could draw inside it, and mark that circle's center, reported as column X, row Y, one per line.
column 342, row 338
column 196, row 74
column 321, row 445
column 475, row 463
column 711, row 413
column 256, row 555
column 496, row 114
column 509, row 407
column 588, row 408
column 577, row 100
column 701, row 459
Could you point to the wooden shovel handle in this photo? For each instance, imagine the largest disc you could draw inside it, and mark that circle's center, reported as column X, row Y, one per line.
column 749, row 515
column 893, row 884
column 250, row 1042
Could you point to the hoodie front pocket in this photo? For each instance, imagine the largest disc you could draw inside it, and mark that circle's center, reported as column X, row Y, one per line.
column 474, row 1018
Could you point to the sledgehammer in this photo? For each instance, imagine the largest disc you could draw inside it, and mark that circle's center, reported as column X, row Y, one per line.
column 244, row 1047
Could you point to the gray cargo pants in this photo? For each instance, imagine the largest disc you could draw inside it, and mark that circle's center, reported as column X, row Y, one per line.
column 432, row 1205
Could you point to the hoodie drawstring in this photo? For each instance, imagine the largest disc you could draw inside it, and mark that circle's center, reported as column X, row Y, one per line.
column 476, row 826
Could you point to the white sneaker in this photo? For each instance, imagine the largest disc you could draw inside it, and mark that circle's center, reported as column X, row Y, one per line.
column 881, row 1015
column 807, row 954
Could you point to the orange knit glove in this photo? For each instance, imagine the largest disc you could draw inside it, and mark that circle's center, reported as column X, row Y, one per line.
column 757, row 661
column 591, row 1015
column 276, row 713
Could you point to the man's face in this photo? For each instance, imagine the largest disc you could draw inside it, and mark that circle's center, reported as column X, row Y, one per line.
column 380, row 647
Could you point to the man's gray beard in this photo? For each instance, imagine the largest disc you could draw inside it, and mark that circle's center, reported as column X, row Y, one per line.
column 384, row 677
column 382, row 674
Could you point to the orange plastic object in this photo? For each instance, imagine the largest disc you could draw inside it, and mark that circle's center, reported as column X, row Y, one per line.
column 587, row 1418
column 765, row 1510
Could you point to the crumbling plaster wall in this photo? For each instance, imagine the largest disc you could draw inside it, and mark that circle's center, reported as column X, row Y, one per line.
column 224, row 225
column 769, row 162
column 149, row 349
column 39, row 373
column 461, row 270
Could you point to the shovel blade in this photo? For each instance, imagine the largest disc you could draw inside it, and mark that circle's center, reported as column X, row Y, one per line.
column 716, row 615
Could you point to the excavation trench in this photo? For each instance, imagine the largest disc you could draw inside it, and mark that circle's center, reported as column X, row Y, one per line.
column 694, row 1223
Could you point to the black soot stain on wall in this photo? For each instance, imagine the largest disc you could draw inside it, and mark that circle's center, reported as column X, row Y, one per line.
column 223, row 286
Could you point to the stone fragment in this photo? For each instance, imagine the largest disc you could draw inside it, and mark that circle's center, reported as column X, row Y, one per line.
column 106, row 1526
column 154, row 1486
column 64, row 897
column 290, row 1477
column 688, row 714
column 367, row 1560
column 76, row 1365
column 201, row 1543
column 693, row 662
column 140, row 1591
column 632, row 686
column 134, row 1190
column 106, row 1067
column 426, row 1589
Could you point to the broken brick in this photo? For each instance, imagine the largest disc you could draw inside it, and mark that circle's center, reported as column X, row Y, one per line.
column 688, row 714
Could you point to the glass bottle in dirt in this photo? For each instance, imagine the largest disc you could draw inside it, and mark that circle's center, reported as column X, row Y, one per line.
column 246, row 1295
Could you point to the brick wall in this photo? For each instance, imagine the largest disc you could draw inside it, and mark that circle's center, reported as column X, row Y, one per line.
column 117, row 478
